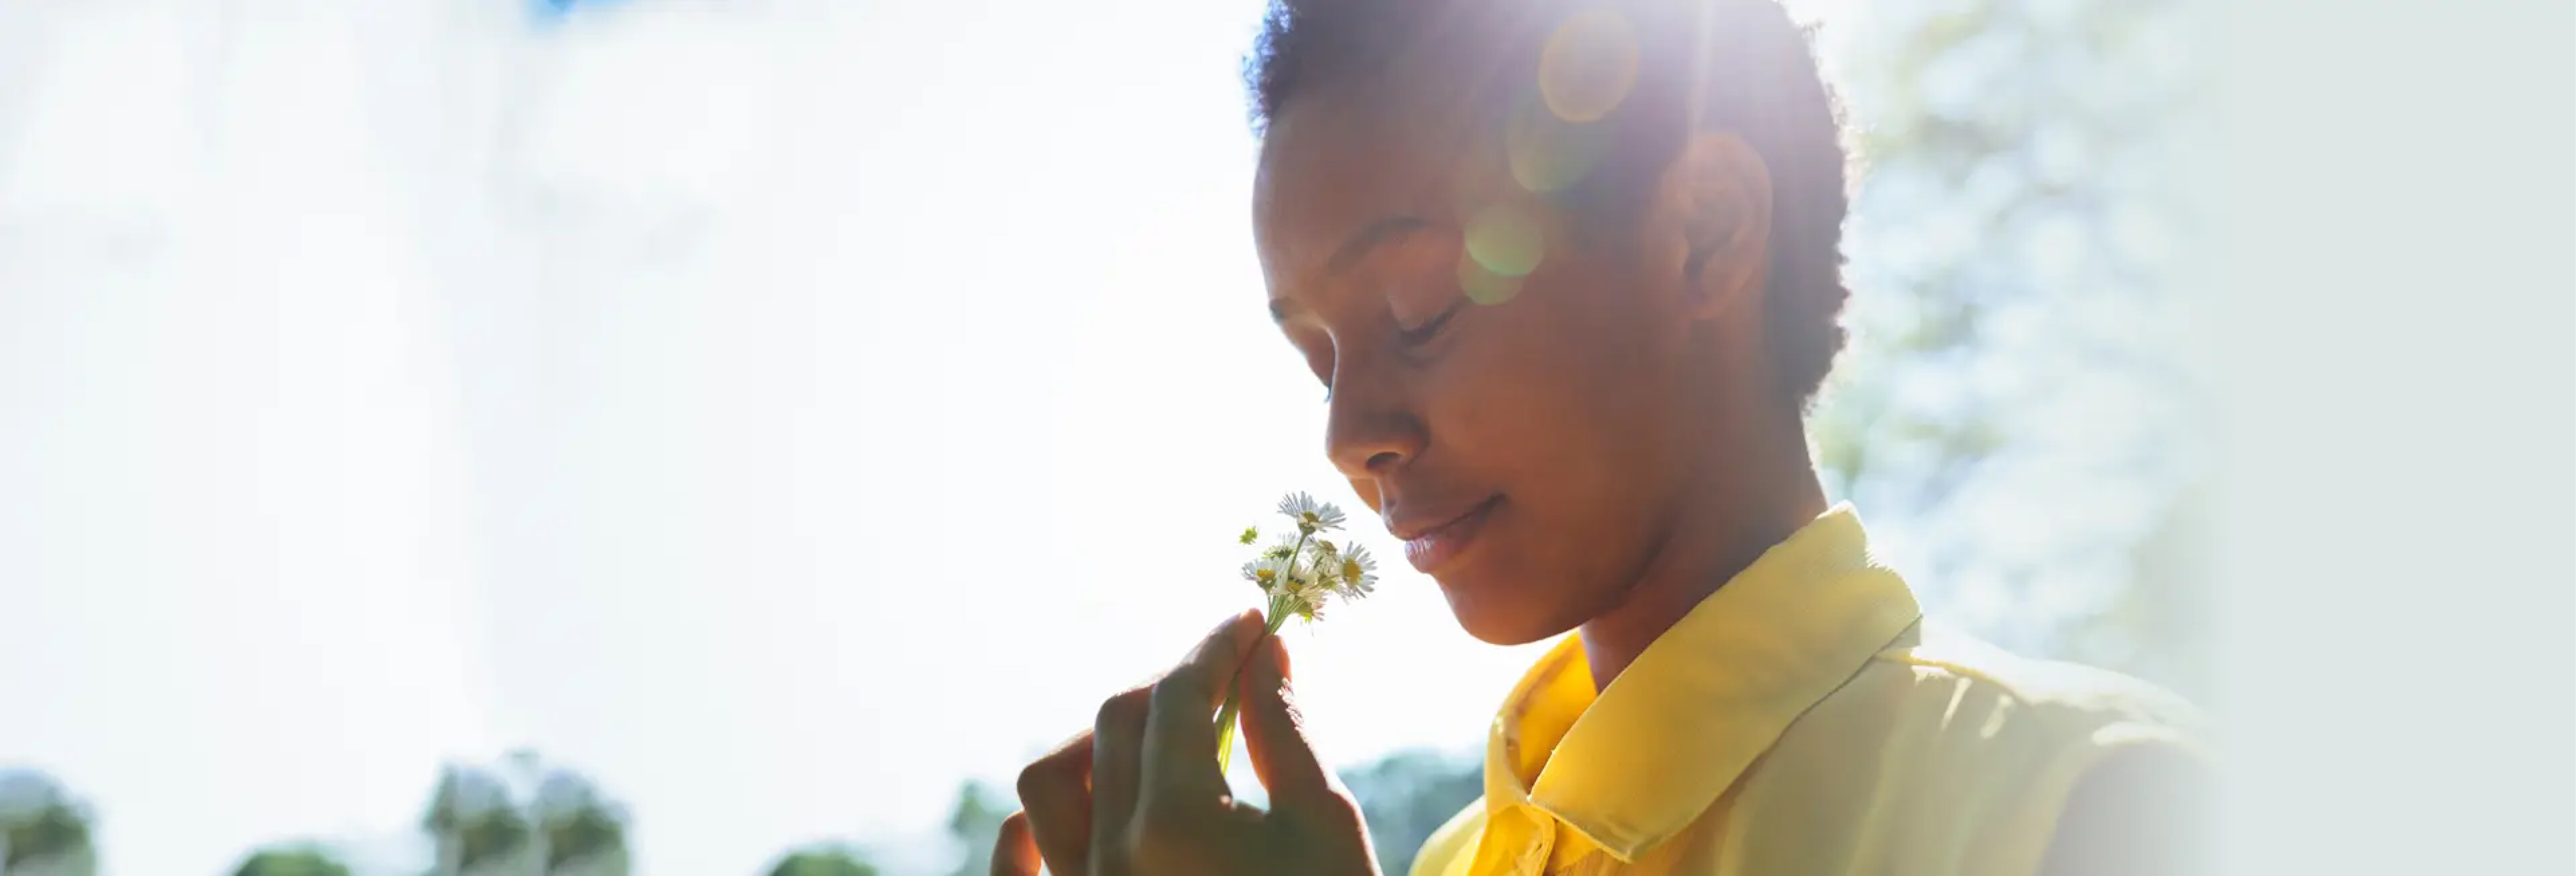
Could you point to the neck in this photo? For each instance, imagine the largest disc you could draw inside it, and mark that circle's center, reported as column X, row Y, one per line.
column 1723, row 528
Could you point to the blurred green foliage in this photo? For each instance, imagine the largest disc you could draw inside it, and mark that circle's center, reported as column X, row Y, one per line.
column 523, row 818
column 974, row 822
column 304, row 860
column 824, row 861
column 1407, row 795
column 44, row 830
column 2018, row 407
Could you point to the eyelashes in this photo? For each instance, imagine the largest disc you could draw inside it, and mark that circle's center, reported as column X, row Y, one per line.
column 1408, row 341
column 1423, row 334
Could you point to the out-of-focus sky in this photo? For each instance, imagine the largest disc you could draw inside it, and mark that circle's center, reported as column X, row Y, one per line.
column 776, row 410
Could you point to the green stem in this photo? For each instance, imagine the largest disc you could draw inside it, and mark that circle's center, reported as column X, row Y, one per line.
column 1297, row 552
column 1225, row 716
column 1270, row 623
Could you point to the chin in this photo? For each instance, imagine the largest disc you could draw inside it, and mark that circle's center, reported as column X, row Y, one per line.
column 1498, row 613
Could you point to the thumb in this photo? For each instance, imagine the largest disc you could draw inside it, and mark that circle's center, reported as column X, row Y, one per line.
column 1275, row 733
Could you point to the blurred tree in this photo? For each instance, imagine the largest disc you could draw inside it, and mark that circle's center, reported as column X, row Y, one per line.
column 299, row 860
column 44, row 831
column 1407, row 795
column 975, row 823
column 524, row 820
column 583, row 832
column 474, row 825
column 835, row 860
column 2016, row 403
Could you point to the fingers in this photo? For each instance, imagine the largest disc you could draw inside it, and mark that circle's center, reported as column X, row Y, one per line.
column 1015, row 852
column 1275, row 732
column 1055, row 794
column 1180, row 731
column 1117, row 743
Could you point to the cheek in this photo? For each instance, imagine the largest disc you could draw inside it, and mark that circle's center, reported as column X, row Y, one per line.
column 1574, row 406
column 1566, row 411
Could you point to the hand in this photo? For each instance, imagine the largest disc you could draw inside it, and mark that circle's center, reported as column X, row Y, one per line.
column 1140, row 795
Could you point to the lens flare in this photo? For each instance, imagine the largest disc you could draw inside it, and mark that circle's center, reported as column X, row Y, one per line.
column 1548, row 154
column 1506, row 239
column 1505, row 242
column 1588, row 65
column 1483, row 286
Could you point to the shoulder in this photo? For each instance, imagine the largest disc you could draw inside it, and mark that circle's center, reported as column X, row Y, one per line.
column 2136, row 810
column 2031, row 702
column 2042, row 761
column 1451, row 842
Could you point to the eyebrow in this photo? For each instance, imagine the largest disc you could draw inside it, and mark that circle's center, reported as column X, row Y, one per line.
column 1369, row 238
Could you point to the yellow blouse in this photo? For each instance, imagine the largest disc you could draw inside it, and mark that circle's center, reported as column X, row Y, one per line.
column 1799, row 721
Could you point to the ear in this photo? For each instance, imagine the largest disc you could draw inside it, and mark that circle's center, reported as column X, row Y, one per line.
column 1713, row 210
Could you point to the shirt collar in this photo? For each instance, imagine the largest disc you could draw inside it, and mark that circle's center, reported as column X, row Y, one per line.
column 1629, row 768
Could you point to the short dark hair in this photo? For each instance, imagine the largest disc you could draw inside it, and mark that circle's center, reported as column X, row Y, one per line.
column 1751, row 68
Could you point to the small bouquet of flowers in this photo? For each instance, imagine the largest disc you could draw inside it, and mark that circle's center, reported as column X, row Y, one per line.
column 1298, row 572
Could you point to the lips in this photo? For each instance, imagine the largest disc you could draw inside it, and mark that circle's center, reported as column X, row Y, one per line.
column 1431, row 543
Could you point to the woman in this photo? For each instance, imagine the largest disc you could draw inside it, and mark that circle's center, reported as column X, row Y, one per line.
column 1570, row 273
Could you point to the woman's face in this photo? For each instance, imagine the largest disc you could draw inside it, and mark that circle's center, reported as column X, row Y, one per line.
column 1530, row 453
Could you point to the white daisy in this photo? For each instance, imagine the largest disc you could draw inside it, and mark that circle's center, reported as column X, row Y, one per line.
column 1300, row 573
column 1289, row 594
column 1311, row 516
column 1304, row 602
column 1297, row 505
column 1323, row 575
column 1284, row 548
column 1269, row 574
column 1356, row 573
column 1326, row 518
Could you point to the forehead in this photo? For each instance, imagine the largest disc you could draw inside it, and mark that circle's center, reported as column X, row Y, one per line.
column 1334, row 163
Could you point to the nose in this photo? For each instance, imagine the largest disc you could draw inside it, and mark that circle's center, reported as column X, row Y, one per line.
column 1371, row 428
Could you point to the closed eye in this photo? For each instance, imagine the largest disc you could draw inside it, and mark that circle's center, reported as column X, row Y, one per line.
column 1420, row 335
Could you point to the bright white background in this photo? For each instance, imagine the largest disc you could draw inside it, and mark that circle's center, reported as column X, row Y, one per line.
column 747, row 404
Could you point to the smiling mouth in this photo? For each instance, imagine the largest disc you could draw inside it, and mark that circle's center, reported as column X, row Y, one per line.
column 1435, row 547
